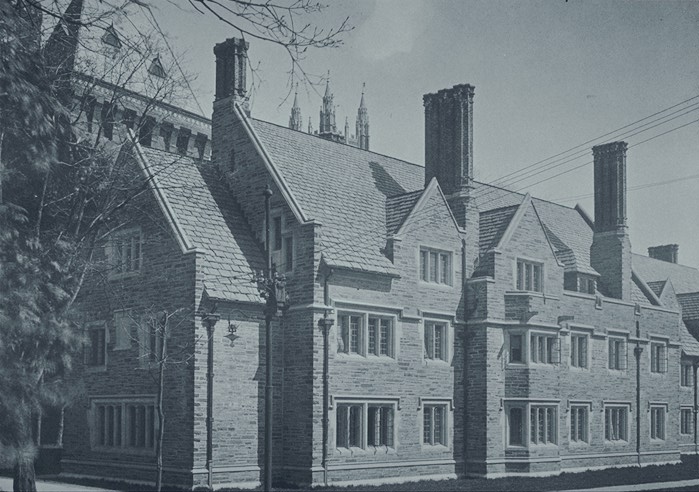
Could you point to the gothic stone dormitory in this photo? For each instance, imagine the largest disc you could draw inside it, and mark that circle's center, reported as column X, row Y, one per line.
column 468, row 329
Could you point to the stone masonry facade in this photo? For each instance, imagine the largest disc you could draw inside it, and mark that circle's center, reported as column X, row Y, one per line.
column 434, row 326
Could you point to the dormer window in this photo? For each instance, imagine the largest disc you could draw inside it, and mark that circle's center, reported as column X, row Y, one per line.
column 529, row 276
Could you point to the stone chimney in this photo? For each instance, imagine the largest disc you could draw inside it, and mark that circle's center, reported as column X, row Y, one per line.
column 449, row 155
column 666, row 252
column 231, row 69
column 610, row 253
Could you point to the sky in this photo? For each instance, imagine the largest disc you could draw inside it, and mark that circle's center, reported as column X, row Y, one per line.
column 549, row 76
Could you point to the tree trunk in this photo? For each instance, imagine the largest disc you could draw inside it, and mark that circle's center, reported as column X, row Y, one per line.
column 24, row 477
column 161, row 416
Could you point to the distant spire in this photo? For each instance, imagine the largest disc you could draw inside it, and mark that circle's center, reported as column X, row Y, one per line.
column 347, row 135
column 295, row 120
column 327, row 128
column 362, row 123
column 310, row 126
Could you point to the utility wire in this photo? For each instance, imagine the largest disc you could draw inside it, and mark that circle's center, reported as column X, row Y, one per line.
column 521, row 170
column 590, row 162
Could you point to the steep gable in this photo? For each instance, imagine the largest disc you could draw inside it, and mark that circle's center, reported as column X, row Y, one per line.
column 212, row 220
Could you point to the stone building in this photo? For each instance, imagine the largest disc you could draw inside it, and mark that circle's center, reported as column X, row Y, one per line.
column 435, row 326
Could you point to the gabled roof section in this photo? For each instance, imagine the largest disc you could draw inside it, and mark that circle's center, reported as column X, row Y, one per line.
column 398, row 208
column 641, row 292
column 207, row 214
column 685, row 279
column 493, row 224
column 431, row 189
column 690, row 305
column 342, row 187
column 690, row 345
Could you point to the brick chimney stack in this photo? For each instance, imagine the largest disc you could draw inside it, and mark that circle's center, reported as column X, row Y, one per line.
column 610, row 253
column 449, row 155
column 231, row 68
column 666, row 252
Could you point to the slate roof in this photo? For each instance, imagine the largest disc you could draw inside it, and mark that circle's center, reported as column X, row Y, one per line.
column 690, row 345
column 690, row 305
column 685, row 279
column 493, row 224
column 358, row 196
column 657, row 286
column 213, row 222
column 398, row 208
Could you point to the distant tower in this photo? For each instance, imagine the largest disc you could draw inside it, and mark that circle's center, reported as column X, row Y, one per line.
column 347, row 134
column 328, row 129
column 295, row 120
column 310, row 126
column 362, row 134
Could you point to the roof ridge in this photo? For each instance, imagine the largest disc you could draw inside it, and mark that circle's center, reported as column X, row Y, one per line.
column 663, row 262
column 338, row 143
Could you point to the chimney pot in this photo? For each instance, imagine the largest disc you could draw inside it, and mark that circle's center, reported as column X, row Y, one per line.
column 666, row 252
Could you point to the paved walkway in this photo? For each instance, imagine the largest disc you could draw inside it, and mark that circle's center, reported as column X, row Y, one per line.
column 644, row 486
column 49, row 486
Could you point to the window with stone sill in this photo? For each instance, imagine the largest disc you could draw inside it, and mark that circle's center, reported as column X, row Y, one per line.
column 363, row 424
column 366, row 334
column 531, row 424
column 658, row 357
column 125, row 252
column 435, row 266
column 686, row 375
column 579, row 350
column 617, row 353
column 657, row 422
column 529, row 276
column 436, row 340
column 516, row 344
column 544, row 349
column 434, row 424
column 616, row 423
column 96, row 346
column 579, row 423
column 125, row 425
column 686, row 421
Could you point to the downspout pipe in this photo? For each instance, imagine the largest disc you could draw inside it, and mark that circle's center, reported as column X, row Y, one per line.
column 327, row 323
column 465, row 359
column 695, row 409
column 638, row 350
column 210, row 321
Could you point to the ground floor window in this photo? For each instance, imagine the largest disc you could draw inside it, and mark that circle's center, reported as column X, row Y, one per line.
column 686, row 421
column 616, row 423
column 124, row 424
column 657, row 422
column 362, row 424
column 434, row 424
column 543, row 427
column 532, row 423
column 579, row 419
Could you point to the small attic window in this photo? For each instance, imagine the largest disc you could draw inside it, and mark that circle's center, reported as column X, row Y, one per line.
column 156, row 68
column 111, row 38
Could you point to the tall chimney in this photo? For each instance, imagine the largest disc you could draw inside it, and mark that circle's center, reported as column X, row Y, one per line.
column 449, row 155
column 666, row 252
column 231, row 67
column 449, row 138
column 610, row 253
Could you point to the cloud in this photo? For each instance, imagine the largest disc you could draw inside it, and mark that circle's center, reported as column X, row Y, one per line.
column 392, row 28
